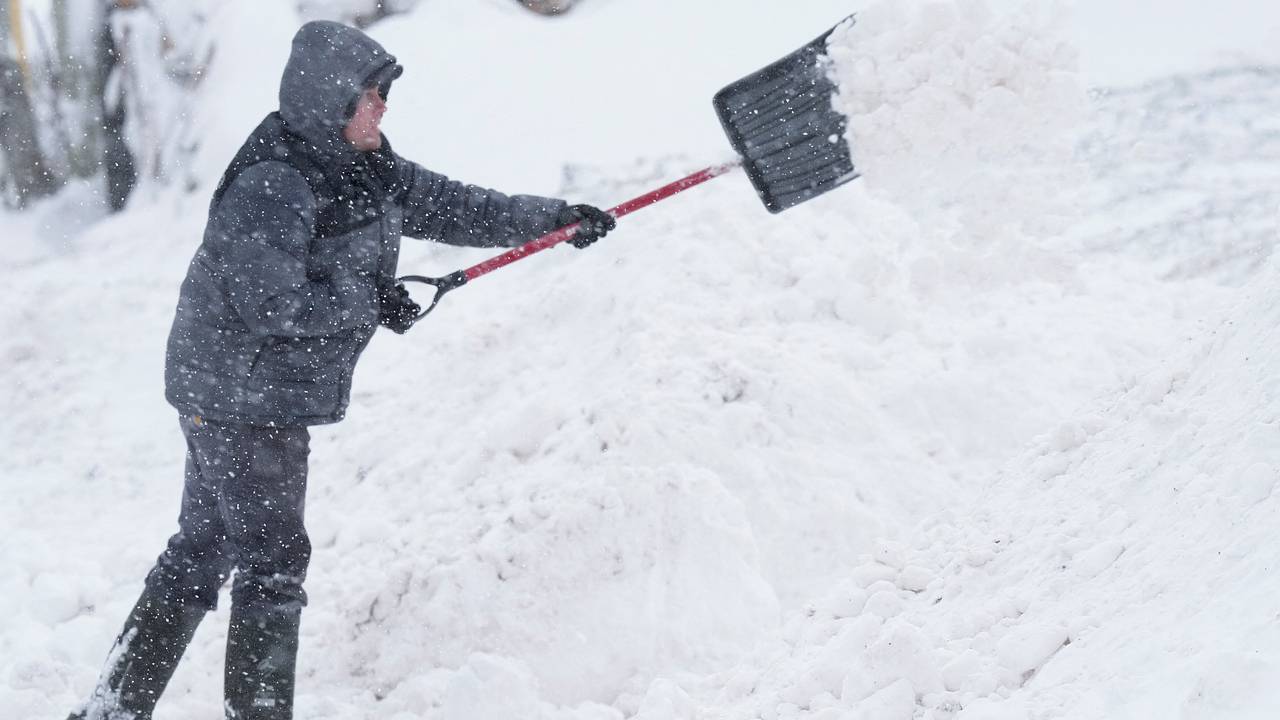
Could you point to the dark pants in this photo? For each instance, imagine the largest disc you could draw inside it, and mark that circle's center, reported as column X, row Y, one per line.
column 242, row 507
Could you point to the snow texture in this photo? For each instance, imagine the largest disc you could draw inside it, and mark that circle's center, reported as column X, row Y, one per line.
column 953, row 105
column 881, row 457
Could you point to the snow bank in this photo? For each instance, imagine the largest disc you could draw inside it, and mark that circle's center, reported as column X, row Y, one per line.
column 1120, row 568
column 658, row 446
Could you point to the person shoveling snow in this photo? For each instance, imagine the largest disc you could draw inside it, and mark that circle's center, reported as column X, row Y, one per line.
column 295, row 273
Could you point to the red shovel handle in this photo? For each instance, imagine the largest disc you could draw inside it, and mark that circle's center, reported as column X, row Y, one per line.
column 555, row 237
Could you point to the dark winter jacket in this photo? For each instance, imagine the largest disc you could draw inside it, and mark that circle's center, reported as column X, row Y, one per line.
column 281, row 297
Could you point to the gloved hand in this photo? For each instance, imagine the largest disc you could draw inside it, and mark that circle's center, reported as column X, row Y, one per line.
column 596, row 223
column 396, row 310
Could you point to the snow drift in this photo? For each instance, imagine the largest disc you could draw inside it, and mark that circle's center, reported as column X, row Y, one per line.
column 1118, row 568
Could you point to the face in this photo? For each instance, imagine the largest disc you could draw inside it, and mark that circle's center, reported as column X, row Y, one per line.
column 362, row 130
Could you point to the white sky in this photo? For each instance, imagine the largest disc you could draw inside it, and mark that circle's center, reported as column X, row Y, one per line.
column 1127, row 41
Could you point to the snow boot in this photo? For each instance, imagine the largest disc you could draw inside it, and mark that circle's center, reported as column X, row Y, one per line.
column 262, row 651
column 143, row 658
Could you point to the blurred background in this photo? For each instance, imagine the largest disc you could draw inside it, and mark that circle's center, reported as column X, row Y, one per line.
column 110, row 90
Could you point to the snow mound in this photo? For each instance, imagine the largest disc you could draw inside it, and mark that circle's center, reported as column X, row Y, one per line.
column 1122, row 567
column 953, row 106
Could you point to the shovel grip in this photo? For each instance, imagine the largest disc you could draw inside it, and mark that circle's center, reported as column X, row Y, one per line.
column 442, row 285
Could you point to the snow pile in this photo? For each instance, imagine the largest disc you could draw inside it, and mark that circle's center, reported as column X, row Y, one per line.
column 600, row 485
column 1121, row 568
column 954, row 106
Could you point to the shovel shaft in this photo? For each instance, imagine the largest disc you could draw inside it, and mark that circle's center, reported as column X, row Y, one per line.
column 555, row 237
column 670, row 189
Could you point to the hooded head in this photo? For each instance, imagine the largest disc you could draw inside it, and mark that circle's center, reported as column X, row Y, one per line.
column 330, row 66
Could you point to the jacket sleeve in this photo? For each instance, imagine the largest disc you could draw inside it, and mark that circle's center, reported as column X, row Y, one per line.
column 266, row 218
column 437, row 208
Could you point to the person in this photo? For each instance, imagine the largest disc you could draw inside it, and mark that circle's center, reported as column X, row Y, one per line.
column 139, row 98
column 295, row 272
column 25, row 174
column 117, row 159
column 548, row 7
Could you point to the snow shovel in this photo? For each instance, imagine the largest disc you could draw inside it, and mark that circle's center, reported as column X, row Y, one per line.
column 784, row 126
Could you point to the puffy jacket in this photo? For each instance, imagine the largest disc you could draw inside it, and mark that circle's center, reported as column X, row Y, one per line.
column 281, row 297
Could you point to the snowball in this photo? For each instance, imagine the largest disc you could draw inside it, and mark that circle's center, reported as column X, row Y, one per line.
column 1256, row 483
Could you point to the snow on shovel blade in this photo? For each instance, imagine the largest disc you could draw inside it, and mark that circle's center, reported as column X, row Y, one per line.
column 783, row 123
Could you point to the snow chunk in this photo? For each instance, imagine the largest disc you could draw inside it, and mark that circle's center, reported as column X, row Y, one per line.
column 491, row 687
column 896, row 702
column 1257, row 483
column 1026, row 648
column 901, row 652
column 950, row 104
column 1096, row 559
column 665, row 700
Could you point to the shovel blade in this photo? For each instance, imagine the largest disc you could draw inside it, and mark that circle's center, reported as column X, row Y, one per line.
column 783, row 122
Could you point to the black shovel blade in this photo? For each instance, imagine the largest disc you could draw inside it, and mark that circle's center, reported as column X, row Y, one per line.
column 783, row 122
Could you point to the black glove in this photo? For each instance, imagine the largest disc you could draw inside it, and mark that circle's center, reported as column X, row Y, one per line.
column 596, row 223
column 396, row 310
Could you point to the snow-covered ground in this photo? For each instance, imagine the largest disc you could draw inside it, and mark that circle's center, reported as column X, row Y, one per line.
column 879, row 457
